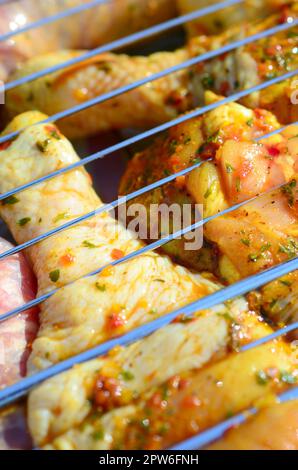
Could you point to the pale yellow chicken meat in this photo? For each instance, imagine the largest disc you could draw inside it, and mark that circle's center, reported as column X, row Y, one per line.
column 161, row 100
column 274, row 428
column 254, row 237
column 103, row 23
column 89, row 28
column 97, row 308
column 84, row 409
column 227, row 17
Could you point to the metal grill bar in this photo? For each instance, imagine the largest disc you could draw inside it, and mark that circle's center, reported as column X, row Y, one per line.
column 176, row 68
column 53, row 18
column 16, row 391
column 150, row 133
column 207, row 437
column 151, row 247
column 128, row 40
column 118, row 202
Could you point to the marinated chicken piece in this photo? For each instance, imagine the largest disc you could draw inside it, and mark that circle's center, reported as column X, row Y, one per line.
column 17, row 286
column 127, row 373
column 87, row 29
column 96, row 308
column 252, row 64
column 154, row 103
column 165, row 415
column 228, row 17
column 237, row 169
column 165, row 98
column 274, row 428
column 258, row 235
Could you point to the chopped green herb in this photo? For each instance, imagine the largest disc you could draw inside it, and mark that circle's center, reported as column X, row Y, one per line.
column 250, row 122
column 292, row 34
column 238, row 185
column 10, row 200
column 105, row 67
column 164, row 428
column 101, row 287
column 55, row 134
column 213, row 137
column 288, row 378
column 24, row 221
column 187, row 140
column 55, row 275
column 98, row 435
column 253, row 257
column 43, row 145
column 127, row 375
column 262, row 377
column 60, row 217
column 265, row 247
column 159, row 280
column 273, row 303
column 245, row 241
column 288, row 190
column 229, row 168
column 87, row 244
column 210, row 190
column 153, row 311
column 290, row 249
column 285, row 283
column 207, row 81
column 173, row 146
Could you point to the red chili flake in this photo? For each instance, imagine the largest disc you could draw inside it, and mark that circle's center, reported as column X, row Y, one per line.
column 114, row 321
column 50, row 129
column 67, row 259
column 177, row 382
column 191, row 401
column 273, row 151
column 208, row 150
column 53, row 131
column 175, row 99
column 183, row 384
column 5, row 145
column 224, row 88
column 223, row 56
column 174, row 160
column 259, row 113
column 107, row 393
column 117, row 254
column 285, row 14
column 156, row 401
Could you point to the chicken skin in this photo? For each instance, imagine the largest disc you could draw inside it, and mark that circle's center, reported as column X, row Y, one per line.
column 101, row 403
column 257, row 235
column 163, row 99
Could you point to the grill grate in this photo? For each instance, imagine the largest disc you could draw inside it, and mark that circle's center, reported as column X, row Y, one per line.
column 16, row 391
